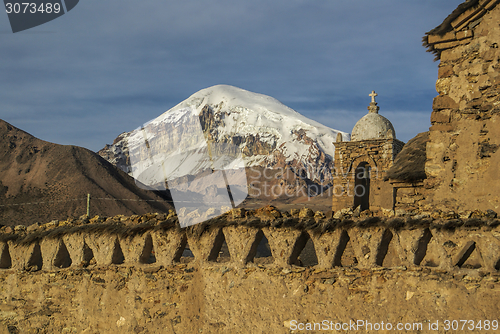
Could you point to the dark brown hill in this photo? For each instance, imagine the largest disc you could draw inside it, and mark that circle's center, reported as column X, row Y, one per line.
column 33, row 171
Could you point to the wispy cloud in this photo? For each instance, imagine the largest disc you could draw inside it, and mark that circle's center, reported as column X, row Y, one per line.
column 108, row 66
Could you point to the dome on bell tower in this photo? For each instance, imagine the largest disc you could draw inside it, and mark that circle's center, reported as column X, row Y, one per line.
column 373, row 125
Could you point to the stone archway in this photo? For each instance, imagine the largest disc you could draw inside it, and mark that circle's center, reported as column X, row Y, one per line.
column 362, row 186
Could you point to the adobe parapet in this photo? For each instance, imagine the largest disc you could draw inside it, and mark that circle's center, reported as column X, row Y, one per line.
column 136, row 274
column 301, row 239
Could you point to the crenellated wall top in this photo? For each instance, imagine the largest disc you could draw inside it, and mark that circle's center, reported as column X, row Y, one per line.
column 264, row 237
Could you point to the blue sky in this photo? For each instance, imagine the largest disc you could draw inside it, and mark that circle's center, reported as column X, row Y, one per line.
column 108, row 66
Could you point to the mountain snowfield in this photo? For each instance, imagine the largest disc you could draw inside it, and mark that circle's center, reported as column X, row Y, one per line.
column 253, row 113
column 257, row 129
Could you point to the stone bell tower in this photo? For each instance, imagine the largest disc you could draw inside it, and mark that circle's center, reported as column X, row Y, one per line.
column 360, row 165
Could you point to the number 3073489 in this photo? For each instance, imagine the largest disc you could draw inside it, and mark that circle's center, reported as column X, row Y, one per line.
column 32, row 8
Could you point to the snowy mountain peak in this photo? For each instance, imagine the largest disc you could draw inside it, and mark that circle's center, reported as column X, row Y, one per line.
column 234, row 98
column 237, row 100
column 254, row 113
column 266, row 132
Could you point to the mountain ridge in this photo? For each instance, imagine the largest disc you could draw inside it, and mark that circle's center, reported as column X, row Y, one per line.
column 268, row 133
column 60, row 176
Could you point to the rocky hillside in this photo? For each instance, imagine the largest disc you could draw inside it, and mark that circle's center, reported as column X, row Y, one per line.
column 255, row 130
column 55, row 180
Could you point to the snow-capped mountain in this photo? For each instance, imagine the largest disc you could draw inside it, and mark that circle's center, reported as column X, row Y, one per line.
column 253, row 129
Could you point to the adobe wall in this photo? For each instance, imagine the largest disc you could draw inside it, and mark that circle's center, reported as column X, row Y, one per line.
column 379, row 154
column 99, row 276
column 462, row 153
column 409, row 196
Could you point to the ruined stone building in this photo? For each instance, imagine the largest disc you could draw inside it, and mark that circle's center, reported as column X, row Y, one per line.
column 462, row 160
column 454, row 166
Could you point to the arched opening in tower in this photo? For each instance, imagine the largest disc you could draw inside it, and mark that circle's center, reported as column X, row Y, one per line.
column 362, row 186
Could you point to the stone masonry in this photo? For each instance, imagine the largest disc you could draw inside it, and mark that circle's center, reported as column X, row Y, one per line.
column 462, row 152
column 379, row 154
column 132, row 274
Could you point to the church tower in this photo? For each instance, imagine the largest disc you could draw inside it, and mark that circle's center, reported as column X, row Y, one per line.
column 360, row 165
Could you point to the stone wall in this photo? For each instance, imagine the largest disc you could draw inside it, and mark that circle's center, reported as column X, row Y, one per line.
column 409, row 196
column 379, row 154
column 462, row 152
column 133, row 274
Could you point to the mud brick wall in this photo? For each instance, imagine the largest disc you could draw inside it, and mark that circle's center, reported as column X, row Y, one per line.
column 379, row 155
column 136, row 275
column 462, row 153
column 409, row 197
